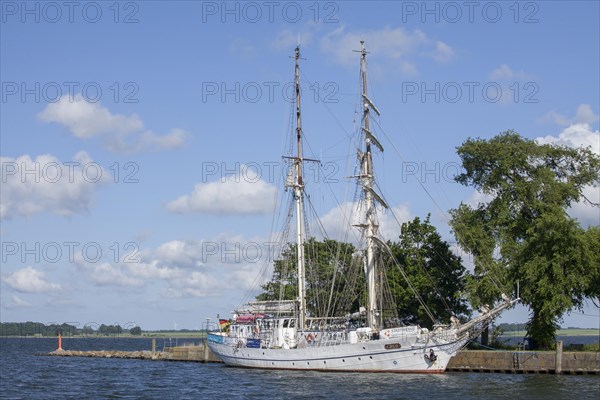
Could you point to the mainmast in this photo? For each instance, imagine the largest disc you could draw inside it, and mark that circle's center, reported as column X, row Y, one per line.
column 370, row 226
column 298, row 187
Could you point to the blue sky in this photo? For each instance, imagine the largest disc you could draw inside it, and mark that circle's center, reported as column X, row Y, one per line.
column 138, row 129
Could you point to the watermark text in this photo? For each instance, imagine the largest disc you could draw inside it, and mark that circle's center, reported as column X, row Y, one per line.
column 252, row 12
column 254, row 92
column 52, row 12
column 52, row 92
column 453, row 12
column 470, row 92
column 54, row 252
column 67, row 171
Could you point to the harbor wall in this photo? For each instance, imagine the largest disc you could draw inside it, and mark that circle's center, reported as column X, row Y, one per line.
column 504, row 361
column 542, row 362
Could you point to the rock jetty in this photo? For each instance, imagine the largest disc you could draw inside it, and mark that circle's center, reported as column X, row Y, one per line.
column 142, row 355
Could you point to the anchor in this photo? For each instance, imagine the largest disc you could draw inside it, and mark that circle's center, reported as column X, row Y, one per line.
column 432, row 357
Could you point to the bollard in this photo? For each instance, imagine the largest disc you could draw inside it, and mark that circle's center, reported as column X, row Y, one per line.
column 558, row 363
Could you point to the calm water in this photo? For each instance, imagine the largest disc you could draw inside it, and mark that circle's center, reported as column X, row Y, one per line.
column 25, row 375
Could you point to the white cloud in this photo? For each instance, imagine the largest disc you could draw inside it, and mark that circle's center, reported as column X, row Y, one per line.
column 583, row 115
column 125, row 274
column 408, row 68
column 147, row 141
column 339, row 220
column 504, row 72
column 243, row 47
column 17, row 302
column 388, row 226
column 288, row 39
column 181, row 253
column 398, row 45
column 107, row 274
column 120, row 133
column 556, row 118
column 477, row 198
column 442, row 53
column 85, row 119
column 234, row 195
column 194, row 284
column 583, row 211
column 576, row 136
column 30, row 280
column 206, row 268
column 46, row 184
column 505, row 77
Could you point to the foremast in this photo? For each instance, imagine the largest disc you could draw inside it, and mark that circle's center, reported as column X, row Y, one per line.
column 370, row 226
column 298, row 188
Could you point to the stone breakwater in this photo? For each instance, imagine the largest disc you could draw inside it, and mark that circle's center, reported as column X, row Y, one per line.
column 179, row 353
column 141, row 355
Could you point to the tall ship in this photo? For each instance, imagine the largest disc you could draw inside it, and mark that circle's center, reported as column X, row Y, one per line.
column 285, row 334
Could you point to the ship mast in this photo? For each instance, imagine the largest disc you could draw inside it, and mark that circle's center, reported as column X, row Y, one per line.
column 370, row 226
column 298, row 186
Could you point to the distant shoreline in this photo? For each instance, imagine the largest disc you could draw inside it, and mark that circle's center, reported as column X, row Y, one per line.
column 560, row 332
column 150, row 335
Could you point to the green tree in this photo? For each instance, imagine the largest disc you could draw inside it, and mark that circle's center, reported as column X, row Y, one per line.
column 327, row 262
column 336, row 283
column 435, row 272
column 593, row 238
column 135, row 331
column 523, row 232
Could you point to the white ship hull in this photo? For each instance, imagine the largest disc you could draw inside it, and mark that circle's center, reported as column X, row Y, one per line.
column 371, row 356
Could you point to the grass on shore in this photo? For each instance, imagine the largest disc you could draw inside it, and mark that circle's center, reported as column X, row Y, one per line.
column 560, row 332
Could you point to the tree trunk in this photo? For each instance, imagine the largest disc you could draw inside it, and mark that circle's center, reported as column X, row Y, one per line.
column 485, row 335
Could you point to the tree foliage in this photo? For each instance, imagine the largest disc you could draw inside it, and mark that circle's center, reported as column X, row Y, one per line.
column 325, row 260
column 36, row 329
column 593, row 239
column 50, row 330
column 135, row 331
column 435, row 272
column 523, row 232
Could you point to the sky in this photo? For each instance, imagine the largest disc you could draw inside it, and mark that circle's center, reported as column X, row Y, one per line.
column 141, row 141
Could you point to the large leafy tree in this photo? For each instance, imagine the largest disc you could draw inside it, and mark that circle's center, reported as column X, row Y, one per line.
column 435, row 272
column 523, row 232
column 336, row 281
column 593, row 289
column 329, row 263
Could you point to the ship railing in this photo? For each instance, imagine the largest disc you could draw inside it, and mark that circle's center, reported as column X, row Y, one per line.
column 280, row 308
column 326, row 323
column 443, row 332
column 333, row 338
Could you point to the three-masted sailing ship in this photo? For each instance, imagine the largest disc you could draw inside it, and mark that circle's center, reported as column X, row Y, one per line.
column 281, row 334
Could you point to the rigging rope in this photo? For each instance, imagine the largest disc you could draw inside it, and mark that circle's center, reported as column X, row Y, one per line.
column 489, row 272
